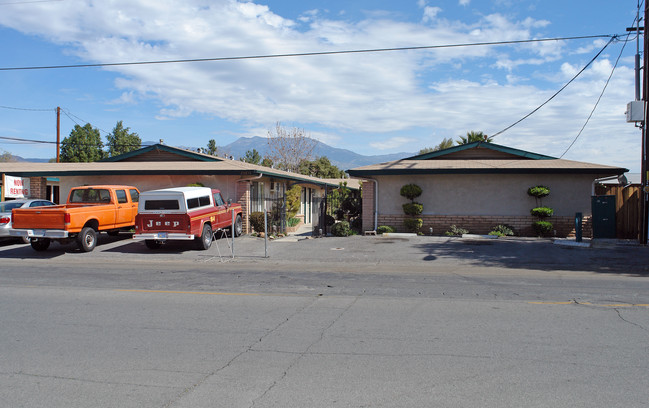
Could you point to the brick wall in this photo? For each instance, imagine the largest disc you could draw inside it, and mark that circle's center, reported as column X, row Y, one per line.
column 242, row 196
column 522, row 226
column 368, row 205
column 38, row 187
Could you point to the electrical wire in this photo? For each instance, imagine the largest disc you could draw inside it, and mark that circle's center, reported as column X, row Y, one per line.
column 598, row 99
column 27, row 109
column 557, row 92
column 308, row 54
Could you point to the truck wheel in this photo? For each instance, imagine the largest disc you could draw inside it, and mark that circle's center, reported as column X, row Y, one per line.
column 152, row 244
column 204, row 242
column 87, row 239
column 238, row 226
column 40, row 244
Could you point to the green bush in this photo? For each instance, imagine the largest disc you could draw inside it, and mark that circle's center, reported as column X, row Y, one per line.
column 257, row 221
column 542, row 227
column 385, row 229
column 455, row 231
column 501, row 230
column 538, row 191
column 341, row 229
column 413, row 208
column 292, row 222
column 413, row 224
column 542, row 212
column 410, row 191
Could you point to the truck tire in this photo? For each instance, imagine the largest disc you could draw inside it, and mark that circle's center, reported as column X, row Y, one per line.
column 204, row 242
column 40, row 244
column 87, row 239
column 238, row 226
column 152, row 244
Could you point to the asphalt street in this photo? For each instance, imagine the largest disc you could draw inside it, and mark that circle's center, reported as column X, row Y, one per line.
column 329, row 322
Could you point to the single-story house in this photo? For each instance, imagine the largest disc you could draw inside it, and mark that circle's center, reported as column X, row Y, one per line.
column 161, row 166
column 479, row 185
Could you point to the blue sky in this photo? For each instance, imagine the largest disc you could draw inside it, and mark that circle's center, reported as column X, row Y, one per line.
column 373, row 103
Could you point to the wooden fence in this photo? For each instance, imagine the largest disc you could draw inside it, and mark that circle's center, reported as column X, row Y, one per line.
column 628, row 209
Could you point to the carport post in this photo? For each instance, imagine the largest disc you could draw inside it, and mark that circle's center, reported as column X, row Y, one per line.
column 265, row 231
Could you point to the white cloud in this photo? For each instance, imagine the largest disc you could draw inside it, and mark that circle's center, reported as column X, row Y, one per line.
column 399, row 143
column 430, row 13
column 464, row 2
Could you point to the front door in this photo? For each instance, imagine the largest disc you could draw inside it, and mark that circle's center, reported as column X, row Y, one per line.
column 603, row 216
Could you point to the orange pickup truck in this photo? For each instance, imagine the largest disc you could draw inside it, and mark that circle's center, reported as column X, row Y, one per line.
column 89, row 210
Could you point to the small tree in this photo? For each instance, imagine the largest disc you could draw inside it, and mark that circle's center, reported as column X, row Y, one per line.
column 288, row 147
column 211, row 147
column 413, row 209
column 541, row 227
column 252, row 156
column 444, row 144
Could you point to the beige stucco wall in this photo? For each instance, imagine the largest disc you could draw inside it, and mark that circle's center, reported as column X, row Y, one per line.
column 489, row 194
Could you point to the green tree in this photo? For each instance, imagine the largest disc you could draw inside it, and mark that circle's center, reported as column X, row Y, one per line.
column 252, row 156
column 83, row 145
column 6, row 157
column 473, row 136
column 211, row 147
column 267, row 162
column 121, row 141
column 321, row 167
column 444, row 144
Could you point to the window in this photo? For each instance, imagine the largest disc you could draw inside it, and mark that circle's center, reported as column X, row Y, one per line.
column 135, row 196
column 90, row 195
column 161, row 205
column 121, row 196
column 198, row 202
column 218, row 200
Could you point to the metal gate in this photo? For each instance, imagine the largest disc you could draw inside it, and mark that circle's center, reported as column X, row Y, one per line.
column 603, row 208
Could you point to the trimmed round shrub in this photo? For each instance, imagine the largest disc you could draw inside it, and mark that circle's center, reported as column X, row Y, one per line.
column 257, row 221
column 542, row 228
column 538, row 191
column 382, row 229
column 542, row 212
column 413, row 208
column 413, row 224
column 410, row 191
column 341, row 229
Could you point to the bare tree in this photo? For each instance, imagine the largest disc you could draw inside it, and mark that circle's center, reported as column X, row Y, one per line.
column 288, row 147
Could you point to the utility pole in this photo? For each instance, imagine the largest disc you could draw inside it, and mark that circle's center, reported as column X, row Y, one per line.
column 58, row 133
column 645, row 139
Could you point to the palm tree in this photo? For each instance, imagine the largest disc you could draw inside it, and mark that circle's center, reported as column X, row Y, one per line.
column 473, row 136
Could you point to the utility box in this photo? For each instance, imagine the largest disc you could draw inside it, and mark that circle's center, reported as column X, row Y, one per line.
column 635, row 111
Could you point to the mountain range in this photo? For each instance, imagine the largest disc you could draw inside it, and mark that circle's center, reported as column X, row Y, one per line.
column 342, row 158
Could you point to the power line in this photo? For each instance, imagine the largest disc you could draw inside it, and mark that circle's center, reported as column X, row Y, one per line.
column 308, row 54
column 598, row 100
column 558, row 92
column 28, row 109
column 28, row 2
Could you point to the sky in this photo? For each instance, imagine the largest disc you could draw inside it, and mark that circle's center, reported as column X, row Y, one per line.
column 371, row 103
